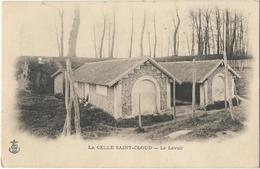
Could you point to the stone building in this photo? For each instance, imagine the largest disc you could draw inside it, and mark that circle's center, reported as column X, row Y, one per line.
column 210, row 83
column 125, row 87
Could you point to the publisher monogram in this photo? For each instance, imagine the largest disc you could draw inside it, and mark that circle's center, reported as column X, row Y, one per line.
column 14, row 147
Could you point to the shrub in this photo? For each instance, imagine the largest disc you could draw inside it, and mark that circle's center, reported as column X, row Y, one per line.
column 221, row 104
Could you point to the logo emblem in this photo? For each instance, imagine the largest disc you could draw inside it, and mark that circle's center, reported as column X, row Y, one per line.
column 14, row 147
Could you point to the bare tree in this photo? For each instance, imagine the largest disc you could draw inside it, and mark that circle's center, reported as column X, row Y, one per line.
column 71, row 99
column 199, row 33
column 176, row 28
column 213, row 46
column 142, row 36
column 227, row 90
column 74, row 33
column 109, row 38
column 155, row 37
column 233, row 41
column 149, row 44
column 227, row 34
column 206, row 35
column 102, row 38
column 161, row 45
column 187, row 41
column 113, row 37
column 132, row 34
column 242, row 37
column 197, row 25
column 95, row 41
column 210, row 35
column 241, row 34
column 61, row 12
column 169, row 43
column 59, row 37
column 178, row 44
column 218, row 29
column 193, row 38
column 58, row 41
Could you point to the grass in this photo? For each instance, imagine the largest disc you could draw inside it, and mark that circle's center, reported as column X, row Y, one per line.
column 202, row 127
column 44, row 116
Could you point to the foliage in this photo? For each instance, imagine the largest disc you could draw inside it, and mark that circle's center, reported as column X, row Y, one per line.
column 39, row 77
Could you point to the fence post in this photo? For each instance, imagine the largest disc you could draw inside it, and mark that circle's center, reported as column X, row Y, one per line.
column 139, row 117
column 193, row 87
column 174, row 99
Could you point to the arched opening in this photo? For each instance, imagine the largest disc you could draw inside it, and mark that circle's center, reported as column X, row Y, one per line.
column 145, row 96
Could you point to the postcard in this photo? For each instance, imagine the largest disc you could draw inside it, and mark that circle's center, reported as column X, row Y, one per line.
column 130, row 84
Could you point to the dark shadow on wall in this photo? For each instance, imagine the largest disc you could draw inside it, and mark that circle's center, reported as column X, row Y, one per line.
column 184, row 92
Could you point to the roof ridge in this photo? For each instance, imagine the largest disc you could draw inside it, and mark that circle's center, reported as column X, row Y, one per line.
column 186, row 61
column 114, row 59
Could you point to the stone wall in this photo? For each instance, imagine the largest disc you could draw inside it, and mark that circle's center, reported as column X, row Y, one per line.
column 147, row 69
column 220, row 69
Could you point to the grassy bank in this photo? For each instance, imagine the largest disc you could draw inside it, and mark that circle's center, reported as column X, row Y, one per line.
column 201, row 127
column 44, row 115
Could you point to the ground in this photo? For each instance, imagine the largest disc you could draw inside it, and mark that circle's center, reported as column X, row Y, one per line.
column 44, row 116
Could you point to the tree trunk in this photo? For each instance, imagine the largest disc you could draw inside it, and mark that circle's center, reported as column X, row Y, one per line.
column 155, row 37
column 227, row 88
column 58, row 41
column 109, row 39
column 197, row 22
column 175, row 52
column 67, row 124
column 142, row 37
column 102, row 39
column 131, row 38
column 74, row 99
column 193, row 40
column 74, row 34
column 218, row 27
column 95, row 41
column 206, row 36
column 113, row 37
column 227, row 35
column 188, row 45
column 62, row 32
column 71, row 99
column 169, row 44
column 234, row 36
column 149, row 44
column 212, row 39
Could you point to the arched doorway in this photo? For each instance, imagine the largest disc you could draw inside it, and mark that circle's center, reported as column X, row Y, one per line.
column 218, row 87
column 145, row 96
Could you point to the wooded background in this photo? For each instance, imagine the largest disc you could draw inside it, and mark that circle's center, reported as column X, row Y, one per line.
column 136, row 29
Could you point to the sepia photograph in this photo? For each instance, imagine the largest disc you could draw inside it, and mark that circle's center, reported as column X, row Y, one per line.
column 155, row 84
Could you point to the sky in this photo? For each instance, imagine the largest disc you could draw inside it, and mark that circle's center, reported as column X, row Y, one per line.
column 33, row 24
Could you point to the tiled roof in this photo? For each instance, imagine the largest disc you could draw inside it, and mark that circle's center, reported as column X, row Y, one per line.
column 183, row 70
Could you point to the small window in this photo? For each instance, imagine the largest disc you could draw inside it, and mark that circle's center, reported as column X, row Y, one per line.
column 102, row 90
